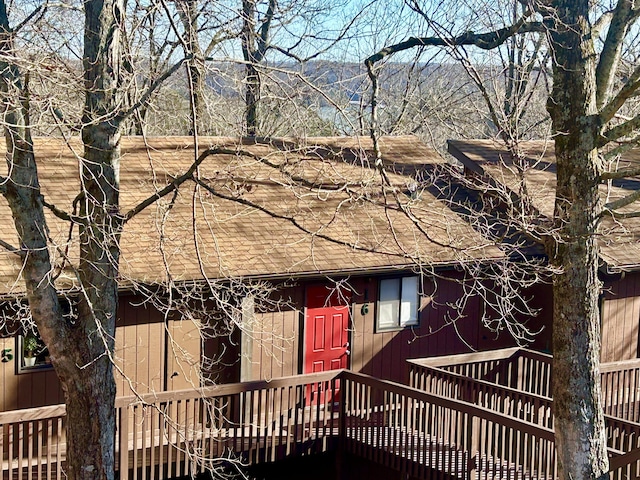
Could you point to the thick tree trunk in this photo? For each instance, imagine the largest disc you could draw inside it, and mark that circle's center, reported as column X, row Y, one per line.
column 188, row 11
column 90, row 388
column 579, row 420
column 80, row 351
column 252, row 98
column 251, row 56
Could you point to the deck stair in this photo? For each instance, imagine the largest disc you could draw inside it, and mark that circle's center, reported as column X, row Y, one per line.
column 444, row 426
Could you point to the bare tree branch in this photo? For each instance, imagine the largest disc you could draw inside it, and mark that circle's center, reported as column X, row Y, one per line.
column 12, row 249
column 623, row 16
column 614, row 105
column 619, row 131
column 153, row 87
column 61, row 214
column 623, row 202
column 39, row 10
column 485, row 41
column 188, row 175
column 619, row 174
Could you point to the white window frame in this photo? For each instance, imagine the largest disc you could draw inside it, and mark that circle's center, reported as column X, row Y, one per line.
column 398, row 303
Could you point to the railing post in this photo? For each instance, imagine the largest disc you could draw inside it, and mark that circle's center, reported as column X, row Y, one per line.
column 123, row 439
column 473, row 439
column 342, row 426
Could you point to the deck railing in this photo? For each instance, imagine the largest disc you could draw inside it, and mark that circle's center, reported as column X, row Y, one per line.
column 528, row 371
column 423, row 434
column 507, row 381
column 510, row 401
column 621, row 389
column 33, row 442
column 175, row 434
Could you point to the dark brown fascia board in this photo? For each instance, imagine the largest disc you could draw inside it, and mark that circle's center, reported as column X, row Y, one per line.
column 454, row 150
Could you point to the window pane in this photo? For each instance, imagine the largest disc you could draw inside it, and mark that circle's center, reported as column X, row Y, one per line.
column 409, row 304
column 389, row 303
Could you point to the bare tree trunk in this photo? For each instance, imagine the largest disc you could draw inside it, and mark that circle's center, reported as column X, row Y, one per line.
column 90, row 387
column 252, row 78
column 80, row 352
column 252, row 98
column 188, row 11
column 255, row 43
column 579, row 421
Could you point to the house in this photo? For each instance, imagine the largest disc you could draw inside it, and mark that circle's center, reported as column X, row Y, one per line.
column 324, row 262
column 619, row 246
column 319, row 259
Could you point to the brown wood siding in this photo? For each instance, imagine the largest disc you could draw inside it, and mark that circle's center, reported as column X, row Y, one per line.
column 541, row 298
column 184, row 350
column 140, row 345
column 276, row 349
column 139, row 353
column 384, row 354
column 620, row 317
column 30, row 389
column 275, row 337
column 221, row 362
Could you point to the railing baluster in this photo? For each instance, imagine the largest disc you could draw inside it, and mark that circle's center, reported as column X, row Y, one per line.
column 411, row 430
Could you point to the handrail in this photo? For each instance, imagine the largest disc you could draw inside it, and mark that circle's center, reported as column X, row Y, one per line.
column 621, row 385
column 36, row 413
column 227, row 389
column 484, row 383
column 451, row 403
column 501, row 354
column 620, row 365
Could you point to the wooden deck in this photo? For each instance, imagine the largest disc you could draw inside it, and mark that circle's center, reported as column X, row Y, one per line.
column 517, row 382
column 505, row 434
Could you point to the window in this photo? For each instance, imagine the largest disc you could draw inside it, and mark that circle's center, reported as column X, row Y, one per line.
column 32, row 352
column 397, row 303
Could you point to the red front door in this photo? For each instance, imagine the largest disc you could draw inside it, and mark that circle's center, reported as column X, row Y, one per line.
column 326, row 329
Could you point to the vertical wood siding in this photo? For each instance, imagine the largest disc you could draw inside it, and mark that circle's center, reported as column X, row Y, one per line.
column 33, row 389
column 140, row 345
column 140, row 349
column 275, row 338
column 272, row 348
column 620, row 317
column 183, row 354
column 383, row 354
column 276, row 349
column 441, row 330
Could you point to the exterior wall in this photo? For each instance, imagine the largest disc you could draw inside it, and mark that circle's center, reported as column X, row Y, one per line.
column 384, row 354
column 271, row 346
column 33, row 389
column 142, row 355
column 277, row 348
column 140, row 348
column 620, row 317
column 157, row 354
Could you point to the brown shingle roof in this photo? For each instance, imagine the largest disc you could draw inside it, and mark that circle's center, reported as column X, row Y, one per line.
column 619, row 240
column 255, row 220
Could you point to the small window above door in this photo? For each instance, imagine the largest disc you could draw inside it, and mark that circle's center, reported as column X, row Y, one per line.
column 397, row 303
